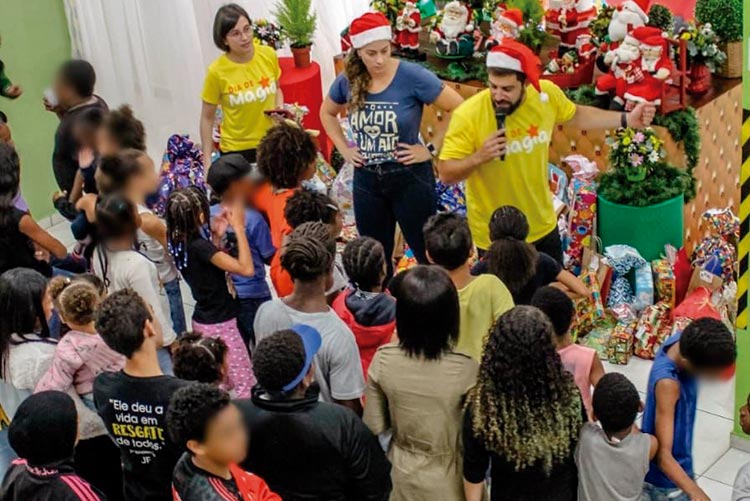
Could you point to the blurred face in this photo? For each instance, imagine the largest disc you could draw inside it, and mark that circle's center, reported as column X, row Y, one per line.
column 226, row 438
column 507, row 92
column 241, row 189
column 376, row 56
column 240, row 38
column 745, row 418
column 85, row 135
column 106, row 144
column 147, row 181
column 64, row 93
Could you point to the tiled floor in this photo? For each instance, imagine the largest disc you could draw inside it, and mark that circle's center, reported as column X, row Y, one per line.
column 715, row 461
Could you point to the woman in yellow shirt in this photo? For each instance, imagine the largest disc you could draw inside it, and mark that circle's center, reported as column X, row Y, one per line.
column 244, row 81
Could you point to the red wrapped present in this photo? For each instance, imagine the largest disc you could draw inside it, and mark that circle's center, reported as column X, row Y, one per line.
column 654, row 327
column 697, row 305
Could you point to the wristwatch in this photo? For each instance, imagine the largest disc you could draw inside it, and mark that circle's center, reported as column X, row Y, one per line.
column 431, row 148
column 624, row 120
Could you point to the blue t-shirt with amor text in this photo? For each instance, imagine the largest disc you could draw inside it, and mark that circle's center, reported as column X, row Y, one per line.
column 391, row 116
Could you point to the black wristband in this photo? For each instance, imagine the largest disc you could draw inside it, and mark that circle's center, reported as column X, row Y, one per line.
column 624, row 120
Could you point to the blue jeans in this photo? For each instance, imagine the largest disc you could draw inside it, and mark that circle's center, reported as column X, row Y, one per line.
column 246, row 318
column 653, row 493
column 165, row 361
column 390, row 193
column 176, row 308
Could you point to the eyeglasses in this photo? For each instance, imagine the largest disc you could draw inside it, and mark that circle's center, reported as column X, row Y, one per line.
column 247, row 30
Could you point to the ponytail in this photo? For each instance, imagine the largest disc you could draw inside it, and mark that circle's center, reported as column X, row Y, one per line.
column 359, row 79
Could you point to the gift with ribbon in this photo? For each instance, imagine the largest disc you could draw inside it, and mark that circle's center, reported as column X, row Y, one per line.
column 582, row 202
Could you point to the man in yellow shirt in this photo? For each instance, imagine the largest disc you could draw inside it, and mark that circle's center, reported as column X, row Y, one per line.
column 507, row 164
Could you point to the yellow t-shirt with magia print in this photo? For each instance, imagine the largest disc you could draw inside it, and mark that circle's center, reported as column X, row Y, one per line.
column 244, row 91
column 522, row 179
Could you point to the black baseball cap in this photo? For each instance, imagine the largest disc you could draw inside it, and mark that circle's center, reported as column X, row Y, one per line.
column 226, row 170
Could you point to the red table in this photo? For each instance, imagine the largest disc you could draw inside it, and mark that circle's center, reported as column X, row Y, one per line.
column 303, row 86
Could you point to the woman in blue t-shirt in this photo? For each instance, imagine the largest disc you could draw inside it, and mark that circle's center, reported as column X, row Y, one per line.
column 384, row 97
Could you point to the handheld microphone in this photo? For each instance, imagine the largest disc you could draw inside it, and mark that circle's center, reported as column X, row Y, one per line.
column 500, row 119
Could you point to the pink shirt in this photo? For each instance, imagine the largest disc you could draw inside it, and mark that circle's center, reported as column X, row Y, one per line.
column 578, row 360
column 79, row 358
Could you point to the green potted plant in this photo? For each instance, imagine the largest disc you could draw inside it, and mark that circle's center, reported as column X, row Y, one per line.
column 298, row 24
column 704, row 56
column 389, row 8
column 661, row 17
column 725, row 16
column 641, row 198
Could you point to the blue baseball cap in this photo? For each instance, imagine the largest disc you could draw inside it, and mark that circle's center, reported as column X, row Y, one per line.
column 311, row 341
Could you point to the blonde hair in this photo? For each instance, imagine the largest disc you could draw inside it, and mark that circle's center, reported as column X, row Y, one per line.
column 77, row 301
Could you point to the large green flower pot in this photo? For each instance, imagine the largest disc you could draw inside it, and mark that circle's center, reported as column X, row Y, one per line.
column 648, row 229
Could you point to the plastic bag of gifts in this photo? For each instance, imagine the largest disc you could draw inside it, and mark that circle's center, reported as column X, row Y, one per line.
column 621, row 341
column 582, row 203
column 625, row 259
column 451, row 197
column 654, row 327
column 342, row 193
column 724, row 230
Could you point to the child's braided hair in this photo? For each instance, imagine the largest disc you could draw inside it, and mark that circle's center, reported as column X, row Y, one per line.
column 187, row 212
column 309, row 254
column 364, row 259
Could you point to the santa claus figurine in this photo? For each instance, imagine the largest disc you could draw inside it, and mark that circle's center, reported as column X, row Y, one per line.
column 453, row 37
column 585, row 47
column 568, row 19
column 506, row 25
column 408, row 26
column 657, row 69
column 628, row 16
column 624, row 69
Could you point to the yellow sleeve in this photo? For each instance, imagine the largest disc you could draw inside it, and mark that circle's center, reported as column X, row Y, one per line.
column 459, row 139
column 276, row 66
column 502, row 299
column 211, row 87
column 565, row 108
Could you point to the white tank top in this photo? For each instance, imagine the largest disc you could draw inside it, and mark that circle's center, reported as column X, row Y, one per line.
column 152, row 249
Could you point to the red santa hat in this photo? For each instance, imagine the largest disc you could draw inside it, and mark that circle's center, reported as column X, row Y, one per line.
column 654, row 42
column 512, row 17
column 641, row 33
column 515, row 56
column 640, row 7
column 368, row 28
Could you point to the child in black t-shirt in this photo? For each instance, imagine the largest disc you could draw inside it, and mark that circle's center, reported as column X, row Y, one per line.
column 134, row 401
column 203, row 420
column 204, row 267
column 518, row 264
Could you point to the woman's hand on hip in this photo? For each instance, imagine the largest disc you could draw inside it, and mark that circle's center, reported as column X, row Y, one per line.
column 410, row 154
column 353, row 156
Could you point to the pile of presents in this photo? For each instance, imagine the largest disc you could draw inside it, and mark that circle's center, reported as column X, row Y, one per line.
column 636, row 305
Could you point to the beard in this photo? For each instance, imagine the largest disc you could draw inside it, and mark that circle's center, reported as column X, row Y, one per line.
column 627, row 53
column 508, row 107
column 618, row 28
column 451, row 27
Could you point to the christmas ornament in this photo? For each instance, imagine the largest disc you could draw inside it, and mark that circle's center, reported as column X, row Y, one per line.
column 408, row 26
column 568, row 19
column 506, row 24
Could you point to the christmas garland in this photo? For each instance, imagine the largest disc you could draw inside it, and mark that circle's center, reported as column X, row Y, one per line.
column 664, row 183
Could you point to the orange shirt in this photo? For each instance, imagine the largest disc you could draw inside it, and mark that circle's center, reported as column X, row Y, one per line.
column 272, row 206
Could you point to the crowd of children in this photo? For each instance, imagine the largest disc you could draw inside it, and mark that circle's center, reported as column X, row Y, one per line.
column 341, row 383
